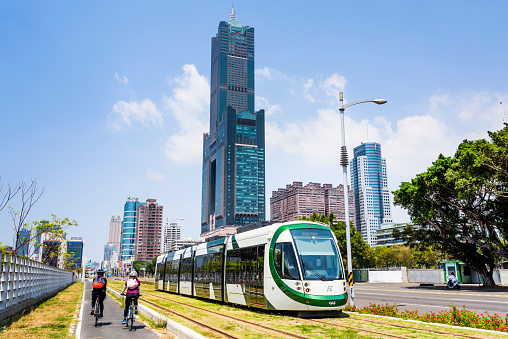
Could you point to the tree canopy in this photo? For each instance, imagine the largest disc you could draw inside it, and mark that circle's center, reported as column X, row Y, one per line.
column 360, row 250
column 460, row 204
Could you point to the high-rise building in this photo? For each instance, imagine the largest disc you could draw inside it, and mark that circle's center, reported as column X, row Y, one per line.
column 370, row 186
column 115, row 231
column 148, row 230
column 172, row 232
column 183, row 243
column 233, row 176
column 296, row 200
column 108, row 251
column 23, row 242
column 128, row 245
column 75, row 249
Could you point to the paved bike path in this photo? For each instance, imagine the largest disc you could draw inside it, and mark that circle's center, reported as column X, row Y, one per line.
column 111, row 325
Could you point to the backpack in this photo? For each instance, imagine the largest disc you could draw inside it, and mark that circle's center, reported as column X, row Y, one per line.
column 132, row 284
column 98, row 283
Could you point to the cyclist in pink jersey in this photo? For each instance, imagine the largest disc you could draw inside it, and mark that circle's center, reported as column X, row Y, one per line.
column 132, row 292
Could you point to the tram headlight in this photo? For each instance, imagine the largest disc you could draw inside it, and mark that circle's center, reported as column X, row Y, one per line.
column 307, row 290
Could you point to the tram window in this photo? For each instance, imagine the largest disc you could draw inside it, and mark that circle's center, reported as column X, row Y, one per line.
column 186, row 273
column 319, row 255
column 233, row 266
column 285, row 261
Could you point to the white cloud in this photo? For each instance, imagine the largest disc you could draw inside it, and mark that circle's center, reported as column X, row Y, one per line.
column 480, row 111
column 124, row 114
column 307, row 86
column 269, row 73
column 262, row 103
column 310, row 146
column 121, row 79
column 189, row 105
column 155, row 176
column 333, row 85
column 415, row 144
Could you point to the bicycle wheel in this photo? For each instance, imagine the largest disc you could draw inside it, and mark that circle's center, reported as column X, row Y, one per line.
column 96, row 311
column 130, row 321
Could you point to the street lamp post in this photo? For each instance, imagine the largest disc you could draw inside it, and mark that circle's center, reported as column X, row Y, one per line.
column 344, row 162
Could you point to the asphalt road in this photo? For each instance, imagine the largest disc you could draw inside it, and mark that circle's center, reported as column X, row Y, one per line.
column 111, row 325
column 433, row 298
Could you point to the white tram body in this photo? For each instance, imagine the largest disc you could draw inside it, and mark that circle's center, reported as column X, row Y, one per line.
column 294, row 266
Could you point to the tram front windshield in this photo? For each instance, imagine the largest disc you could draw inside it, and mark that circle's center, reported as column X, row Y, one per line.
column 318, row 254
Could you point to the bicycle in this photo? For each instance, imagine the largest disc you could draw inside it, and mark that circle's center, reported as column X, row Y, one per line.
column 130, row 315
column 97, row 311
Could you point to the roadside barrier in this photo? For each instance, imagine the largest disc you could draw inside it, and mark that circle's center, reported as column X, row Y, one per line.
column 25, row 282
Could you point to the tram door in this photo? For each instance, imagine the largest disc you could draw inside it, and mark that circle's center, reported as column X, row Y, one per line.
column 257, row 297
column 251, row 275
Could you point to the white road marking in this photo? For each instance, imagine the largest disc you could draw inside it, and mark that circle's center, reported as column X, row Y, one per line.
column 471, row 300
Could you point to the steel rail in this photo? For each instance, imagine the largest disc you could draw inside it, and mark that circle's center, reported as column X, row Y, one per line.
column 294, row 335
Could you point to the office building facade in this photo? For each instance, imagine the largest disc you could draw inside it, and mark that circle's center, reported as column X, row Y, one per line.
column 233, row 172
column 148, row 230
column 172, row 232
column 296, row 200
column 75, row 250
column 23, row 242
column 128, row 246
column 115, row 231
column 370, row 187
column 108, row 251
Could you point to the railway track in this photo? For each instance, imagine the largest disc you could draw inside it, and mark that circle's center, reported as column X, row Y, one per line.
column 266, row 329
column 261, row 327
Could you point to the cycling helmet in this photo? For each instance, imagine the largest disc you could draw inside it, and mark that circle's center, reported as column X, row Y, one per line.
column 100, row 271
column 133, row 274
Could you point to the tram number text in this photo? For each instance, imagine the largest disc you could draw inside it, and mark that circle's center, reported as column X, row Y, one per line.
column 332, row 303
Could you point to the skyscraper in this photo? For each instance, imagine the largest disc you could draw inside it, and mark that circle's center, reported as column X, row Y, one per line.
column 129, row 228
column 233, row 176
column 115, row 231
column 75, row 249
column 148, row 230
column 172, row 232
column 370, row 185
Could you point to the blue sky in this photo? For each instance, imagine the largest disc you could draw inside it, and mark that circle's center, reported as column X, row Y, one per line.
column 101, row 101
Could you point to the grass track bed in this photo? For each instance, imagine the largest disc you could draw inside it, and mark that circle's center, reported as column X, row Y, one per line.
column 347, row 326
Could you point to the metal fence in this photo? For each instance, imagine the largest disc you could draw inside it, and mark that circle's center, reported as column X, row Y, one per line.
column 24, row 282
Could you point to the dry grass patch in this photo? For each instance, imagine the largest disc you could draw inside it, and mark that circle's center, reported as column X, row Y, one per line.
column 50, row 319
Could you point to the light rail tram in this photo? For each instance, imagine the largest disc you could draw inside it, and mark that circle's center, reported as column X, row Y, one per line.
column 293, row 266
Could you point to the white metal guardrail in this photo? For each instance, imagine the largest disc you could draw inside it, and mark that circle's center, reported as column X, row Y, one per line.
column 24, row 282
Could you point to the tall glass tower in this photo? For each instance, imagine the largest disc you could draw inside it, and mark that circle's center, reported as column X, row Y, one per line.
column 233, row 177
column 130, row 217
column 370, row 185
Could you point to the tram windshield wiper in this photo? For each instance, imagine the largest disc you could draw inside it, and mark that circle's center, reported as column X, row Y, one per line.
column 313, row 270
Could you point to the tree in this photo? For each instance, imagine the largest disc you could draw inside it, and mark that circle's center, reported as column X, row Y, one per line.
column 30, row 194
column 427, row 256
column 148, row 266
column 9, row 193
column 361, row 252
column 461, row 204
column 46, row 238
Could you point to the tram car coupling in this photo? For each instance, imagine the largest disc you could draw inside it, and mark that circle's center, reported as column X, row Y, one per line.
column 294, row 266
